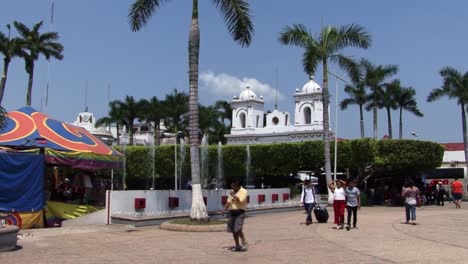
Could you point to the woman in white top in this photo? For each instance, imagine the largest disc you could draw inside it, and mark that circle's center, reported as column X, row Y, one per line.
column 339, row 201
column 308, row 200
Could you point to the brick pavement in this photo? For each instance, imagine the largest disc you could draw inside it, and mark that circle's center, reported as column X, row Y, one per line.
column 275, row 238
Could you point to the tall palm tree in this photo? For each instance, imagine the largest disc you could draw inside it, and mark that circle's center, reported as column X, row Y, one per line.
column 357, row 94
column 324, row 49
column 36, row 44
column 131, row 110
column 115, row 116
column 176, row 107
column 225, row 111
column 237, row 18
column 153, row 112
column 10, row 48
column 405, row 100
column 388, row 101
column 374, row 78
column 455, row 86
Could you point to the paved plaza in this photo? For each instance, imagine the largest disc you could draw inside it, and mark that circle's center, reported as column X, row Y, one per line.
column 440, row 237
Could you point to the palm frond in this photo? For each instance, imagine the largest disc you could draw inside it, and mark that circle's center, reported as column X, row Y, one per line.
column 346, row 102
column 311, row 59
column 22, row 29
column 437, row 93
column 352, row 35
column 345, row 63
column 237, row 18
column 37, row 26
column 296, row 35
column 48, row 37
column 141, row 11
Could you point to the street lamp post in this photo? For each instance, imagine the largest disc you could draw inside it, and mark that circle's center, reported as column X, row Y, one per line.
column 336, row 119
column 176, row 135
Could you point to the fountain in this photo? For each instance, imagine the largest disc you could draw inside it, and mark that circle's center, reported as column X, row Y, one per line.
column 247, row 165
column 152, row 155
column 220, row 179
column 182, row 160
column 204, row 161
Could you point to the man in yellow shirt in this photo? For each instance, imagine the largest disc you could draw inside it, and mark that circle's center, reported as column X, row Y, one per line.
column 236, row 205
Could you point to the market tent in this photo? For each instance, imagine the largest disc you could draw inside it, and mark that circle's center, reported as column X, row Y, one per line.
column 63, row 143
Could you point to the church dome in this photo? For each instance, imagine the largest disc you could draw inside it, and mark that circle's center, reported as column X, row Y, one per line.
column 311, row 86
column 247, row 94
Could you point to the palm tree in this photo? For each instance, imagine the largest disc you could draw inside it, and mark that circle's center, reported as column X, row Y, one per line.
column 153, row 112
column 36, row 44
column 10, row 48
column 225, row 111
column 115, row 116
column 131, row 110
column 176, row 107
column 357, row 94
column 324, row 49
column 374, row 78
column 388, row 101
column 237, row 18
column 455, row 86
column 405, row 101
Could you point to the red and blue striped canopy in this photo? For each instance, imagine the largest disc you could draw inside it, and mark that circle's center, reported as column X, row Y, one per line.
column 27, row 128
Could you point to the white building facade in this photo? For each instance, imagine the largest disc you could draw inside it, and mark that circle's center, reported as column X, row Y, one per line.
column 251, row 125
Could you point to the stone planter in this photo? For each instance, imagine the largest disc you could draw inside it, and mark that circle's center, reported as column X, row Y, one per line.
column 8, row 237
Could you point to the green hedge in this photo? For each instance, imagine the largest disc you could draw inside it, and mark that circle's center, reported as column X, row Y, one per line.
column 280, row 159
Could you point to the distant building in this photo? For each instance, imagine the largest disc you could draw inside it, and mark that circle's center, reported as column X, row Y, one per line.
column 454, row 155
column 251, row 125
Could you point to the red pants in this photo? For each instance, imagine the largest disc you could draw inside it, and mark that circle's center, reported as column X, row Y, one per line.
column 339, row 207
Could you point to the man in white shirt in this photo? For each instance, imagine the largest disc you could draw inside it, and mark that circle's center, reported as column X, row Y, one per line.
column 308, row 200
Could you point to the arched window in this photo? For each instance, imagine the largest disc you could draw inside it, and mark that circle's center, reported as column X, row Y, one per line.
column 286, row 120
column 258, row 120
column 242, row 120
column 307, row 115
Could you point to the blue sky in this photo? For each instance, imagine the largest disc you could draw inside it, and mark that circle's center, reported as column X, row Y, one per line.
column 420, row 37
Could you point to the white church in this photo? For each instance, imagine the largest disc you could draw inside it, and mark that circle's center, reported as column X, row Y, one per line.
column 250, row 124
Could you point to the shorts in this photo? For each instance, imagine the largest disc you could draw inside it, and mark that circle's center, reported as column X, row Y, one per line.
column 235, row 221
column 457, row 196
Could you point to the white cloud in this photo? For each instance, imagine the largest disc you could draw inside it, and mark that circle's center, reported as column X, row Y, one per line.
column 225, row 86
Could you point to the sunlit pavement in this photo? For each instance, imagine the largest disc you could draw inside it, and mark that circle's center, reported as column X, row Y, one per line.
column 439, row 237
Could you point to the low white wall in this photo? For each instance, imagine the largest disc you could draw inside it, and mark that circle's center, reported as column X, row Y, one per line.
column 157, row 201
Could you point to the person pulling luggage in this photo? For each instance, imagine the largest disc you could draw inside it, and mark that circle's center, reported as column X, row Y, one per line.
column 308, row 200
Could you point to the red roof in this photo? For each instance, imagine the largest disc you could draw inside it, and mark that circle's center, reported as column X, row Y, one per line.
column 453, row 146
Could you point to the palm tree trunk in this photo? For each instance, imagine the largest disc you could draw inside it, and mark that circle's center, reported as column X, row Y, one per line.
column 30, row 84
column 4, row 78
column 465, row 137
column 198, row 211
column 361, row 116
column 118, row 135
column 326, row 123
column 389, row 120
column 401, row 123
column 375, row 116
column 130, row 133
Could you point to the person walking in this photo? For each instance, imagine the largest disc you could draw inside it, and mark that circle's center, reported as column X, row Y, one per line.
column 457, row 192
column 411, row 193
column 236, row 205
column 441, row 194
column 339, row 201
column 353, row 203
column 308, row 200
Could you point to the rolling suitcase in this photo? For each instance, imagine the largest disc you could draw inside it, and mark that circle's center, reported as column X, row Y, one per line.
column 321, row 214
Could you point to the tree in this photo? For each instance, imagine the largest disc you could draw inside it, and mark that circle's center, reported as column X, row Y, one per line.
column 405, row 101
column 324, row 49
column 153, row 112
column 388, row 101
column 115, row 116
column 10, row 48
column 455, row 86
column 225, row 111
column 36, row 44
column 176, row 107
column 374, row 78
column 357, row 94
column 131, row 110
column 237, row 18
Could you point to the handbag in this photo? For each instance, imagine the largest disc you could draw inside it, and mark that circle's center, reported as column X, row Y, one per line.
column 418, row 202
